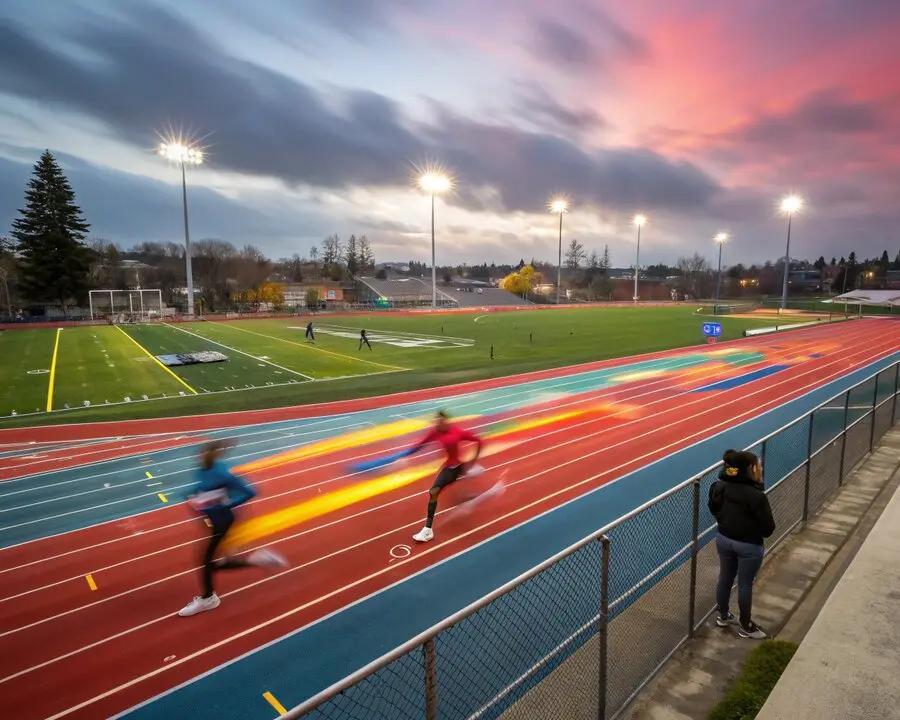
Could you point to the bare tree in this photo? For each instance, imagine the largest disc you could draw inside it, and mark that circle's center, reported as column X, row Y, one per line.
column 574, row 255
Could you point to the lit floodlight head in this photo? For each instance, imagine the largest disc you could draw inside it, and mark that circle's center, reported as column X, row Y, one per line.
column 435, row 183
column 640, row 220
column 559, row 205
column 178, row 152
column 791, row 204
column 721, row 238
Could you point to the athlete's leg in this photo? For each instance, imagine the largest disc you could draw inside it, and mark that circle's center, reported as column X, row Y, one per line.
column 446, row 476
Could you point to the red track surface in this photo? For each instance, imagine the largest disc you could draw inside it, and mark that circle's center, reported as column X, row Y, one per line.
column 67, row 650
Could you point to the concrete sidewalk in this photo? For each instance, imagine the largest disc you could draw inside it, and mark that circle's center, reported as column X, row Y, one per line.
column 847, row 665
column 789, row 593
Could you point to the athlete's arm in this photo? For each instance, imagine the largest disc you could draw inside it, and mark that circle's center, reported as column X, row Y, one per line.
column 239, row 491
column 430, row 437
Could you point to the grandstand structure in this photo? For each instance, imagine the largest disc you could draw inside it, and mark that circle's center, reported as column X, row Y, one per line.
column 408, row 292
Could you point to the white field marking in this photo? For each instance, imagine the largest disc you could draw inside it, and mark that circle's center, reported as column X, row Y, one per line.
column 317, row 349
column 138, row 514
column 486, row 424
column 481, row 317
column 394, row 339
column 401, row 333
column 426, row 551
column 746, row 344
column 417, row 495
column 343, row 477
column 228, row 347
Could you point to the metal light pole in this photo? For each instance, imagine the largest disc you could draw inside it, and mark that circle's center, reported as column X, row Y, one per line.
column 434, row 183
column 789, row 205
column 559, row 206
column 184, row 155
column 721, row 238
column 640, row 221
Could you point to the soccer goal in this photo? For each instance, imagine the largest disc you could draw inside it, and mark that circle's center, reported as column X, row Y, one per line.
column 121, row 307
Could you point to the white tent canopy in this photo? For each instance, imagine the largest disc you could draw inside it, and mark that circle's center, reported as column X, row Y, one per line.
column 881, row 298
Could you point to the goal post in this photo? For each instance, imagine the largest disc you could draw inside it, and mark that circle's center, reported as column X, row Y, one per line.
column 126, row 306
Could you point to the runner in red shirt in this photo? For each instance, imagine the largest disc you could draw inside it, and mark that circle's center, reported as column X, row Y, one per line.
column 449, row 436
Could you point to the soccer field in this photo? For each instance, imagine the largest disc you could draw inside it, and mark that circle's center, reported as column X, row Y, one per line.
column 115, row 372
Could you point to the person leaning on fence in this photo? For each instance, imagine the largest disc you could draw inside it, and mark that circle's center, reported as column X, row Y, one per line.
column 744, row 517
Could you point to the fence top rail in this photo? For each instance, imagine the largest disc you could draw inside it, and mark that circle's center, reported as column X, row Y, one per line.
column 473, row 607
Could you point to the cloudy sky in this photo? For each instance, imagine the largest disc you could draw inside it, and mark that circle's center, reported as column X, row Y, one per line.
column 315, row 115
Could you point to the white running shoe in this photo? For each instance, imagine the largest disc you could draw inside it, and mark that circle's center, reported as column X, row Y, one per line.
column 474, row 470
column 199, row 605
column 424, row 535
column 267, row 559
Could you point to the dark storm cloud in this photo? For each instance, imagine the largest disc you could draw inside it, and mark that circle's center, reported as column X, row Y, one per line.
column 540, row 108
column 818, row 114
column 154, row 68
column 130, row 208
column 587, row 38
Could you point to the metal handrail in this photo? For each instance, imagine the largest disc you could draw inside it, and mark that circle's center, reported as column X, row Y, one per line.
column 432, row 632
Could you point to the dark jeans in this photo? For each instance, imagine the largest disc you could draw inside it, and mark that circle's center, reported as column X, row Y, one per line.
column 221, row 519
column 741, row 560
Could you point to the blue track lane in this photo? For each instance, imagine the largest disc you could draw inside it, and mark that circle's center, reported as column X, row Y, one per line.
column 310, row 659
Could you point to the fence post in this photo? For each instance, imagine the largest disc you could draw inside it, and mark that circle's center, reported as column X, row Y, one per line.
column 762, row 460
column 695, row 543
column 603, row 626
column 844, row 433
column 874, row 405
column 809, row 452
column 430, row 679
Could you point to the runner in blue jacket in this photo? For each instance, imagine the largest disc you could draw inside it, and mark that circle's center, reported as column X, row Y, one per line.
column 216, row 493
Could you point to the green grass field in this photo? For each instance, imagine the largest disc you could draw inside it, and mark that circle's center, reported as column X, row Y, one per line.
column 110, row 373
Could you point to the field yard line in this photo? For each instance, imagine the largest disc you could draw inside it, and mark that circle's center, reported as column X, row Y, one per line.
column 313, row 347
column 53, row 371
column 155, row 359
column 228, row 347
column 403, row 333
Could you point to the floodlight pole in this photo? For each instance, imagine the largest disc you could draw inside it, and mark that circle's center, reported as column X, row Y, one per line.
column 6, row 291
column 187, row 245
column 718, row 279
column 637, row 263
column 787, row 265
column 433, row 265
column 559, row 263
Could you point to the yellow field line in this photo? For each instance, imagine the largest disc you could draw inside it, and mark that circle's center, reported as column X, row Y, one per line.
column 313, row 347
column 53, row 371
column 270, row 698
column 155, row 359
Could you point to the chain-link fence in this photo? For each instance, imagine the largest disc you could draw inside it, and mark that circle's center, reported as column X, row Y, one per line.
column 580, row 635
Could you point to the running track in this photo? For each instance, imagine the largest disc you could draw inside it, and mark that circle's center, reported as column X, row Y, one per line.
column 69, row 651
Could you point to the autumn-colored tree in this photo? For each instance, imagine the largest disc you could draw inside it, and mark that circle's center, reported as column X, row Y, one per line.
column 271, row 294
column 519, row 282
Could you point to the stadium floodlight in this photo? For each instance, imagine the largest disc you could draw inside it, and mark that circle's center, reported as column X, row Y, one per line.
column 721, row 238
column 639, row 221
column 559, row 205
column 184, row 154
column 789, row 205
column 434, row 182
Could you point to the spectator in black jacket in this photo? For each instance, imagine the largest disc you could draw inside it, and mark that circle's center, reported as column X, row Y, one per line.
column 744, row 517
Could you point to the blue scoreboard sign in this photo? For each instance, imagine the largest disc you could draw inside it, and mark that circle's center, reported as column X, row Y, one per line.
column 712, row 329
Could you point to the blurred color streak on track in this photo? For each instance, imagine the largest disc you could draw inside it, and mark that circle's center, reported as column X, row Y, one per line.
column 67, row 650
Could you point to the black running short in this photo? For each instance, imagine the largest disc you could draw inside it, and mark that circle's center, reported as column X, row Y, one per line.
column 448, row 476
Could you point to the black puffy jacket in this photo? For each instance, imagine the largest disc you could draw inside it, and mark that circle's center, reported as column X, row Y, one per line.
column 741, row 509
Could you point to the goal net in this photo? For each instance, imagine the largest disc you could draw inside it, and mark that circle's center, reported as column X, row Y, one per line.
column 120, row 307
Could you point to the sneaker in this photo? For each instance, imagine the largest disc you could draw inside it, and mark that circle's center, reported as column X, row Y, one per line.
column 726, row 619
column 267, row 559
column 752, row 631
column 199, row 605
column 424, row 535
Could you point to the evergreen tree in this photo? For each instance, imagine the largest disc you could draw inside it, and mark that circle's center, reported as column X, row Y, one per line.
column 55, row 263
column 833, row 261
column 352, row 254
column 366, row 256
column 605, row 264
